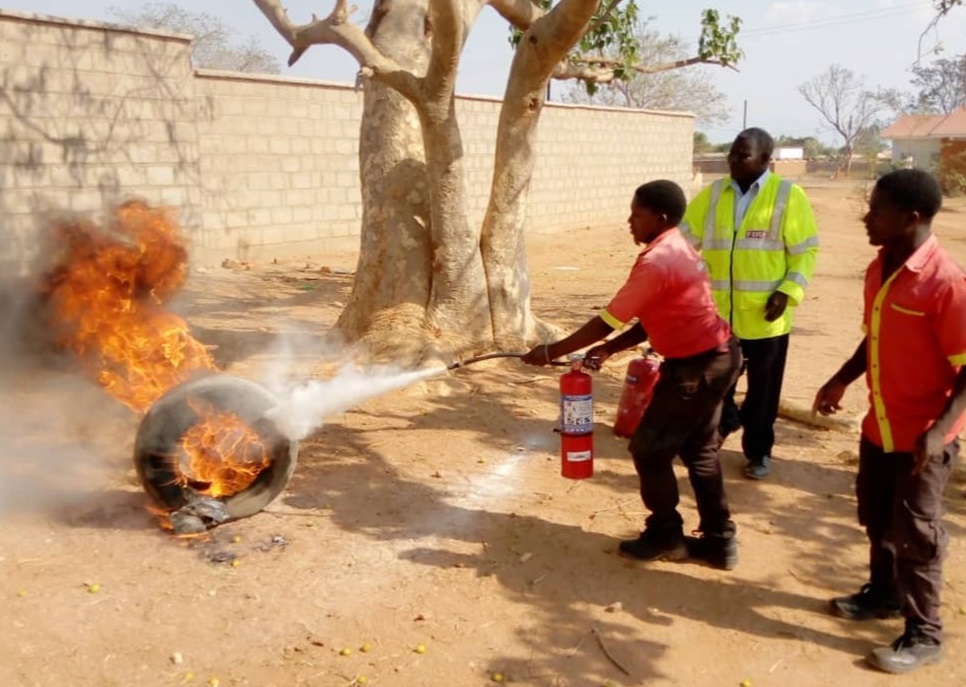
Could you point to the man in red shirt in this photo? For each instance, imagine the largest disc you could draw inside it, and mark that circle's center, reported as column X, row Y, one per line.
column 912, row 356
column 669, row 295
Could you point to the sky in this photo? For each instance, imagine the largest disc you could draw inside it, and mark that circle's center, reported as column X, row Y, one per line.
column 785, row 44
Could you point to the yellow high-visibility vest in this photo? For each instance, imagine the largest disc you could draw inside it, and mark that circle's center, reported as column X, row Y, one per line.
column 774, row 249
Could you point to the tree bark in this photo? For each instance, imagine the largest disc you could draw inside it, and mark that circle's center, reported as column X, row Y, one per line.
column 391, row 292
column 421, row 289
column 541, row 49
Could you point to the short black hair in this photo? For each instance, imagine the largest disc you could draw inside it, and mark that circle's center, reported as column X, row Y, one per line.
column 912, row 190
column 763, row 140
column 662, row 196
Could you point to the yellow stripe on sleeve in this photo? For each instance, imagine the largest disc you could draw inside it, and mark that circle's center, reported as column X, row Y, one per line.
column 957, row 360
column 611, row 320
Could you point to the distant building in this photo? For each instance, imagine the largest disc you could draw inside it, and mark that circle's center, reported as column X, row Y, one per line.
column 789, row 154
column 936, row 143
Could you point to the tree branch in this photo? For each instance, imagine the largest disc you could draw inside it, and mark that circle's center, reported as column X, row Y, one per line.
column 601, row 69
column 520, row 13
column 336, row 30
column 446, row 17
column 604, row 16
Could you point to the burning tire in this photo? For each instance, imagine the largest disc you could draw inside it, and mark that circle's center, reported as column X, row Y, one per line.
column 205, row 452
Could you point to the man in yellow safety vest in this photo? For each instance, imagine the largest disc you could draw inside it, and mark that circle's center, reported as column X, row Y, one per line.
column 757, row 235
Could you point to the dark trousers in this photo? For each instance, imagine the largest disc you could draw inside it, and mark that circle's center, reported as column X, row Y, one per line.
column 682, row 420
column 902, row 515
column 765, row 367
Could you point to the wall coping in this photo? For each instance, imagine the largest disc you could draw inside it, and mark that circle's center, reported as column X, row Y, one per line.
column 221, row 75
column 30, row 18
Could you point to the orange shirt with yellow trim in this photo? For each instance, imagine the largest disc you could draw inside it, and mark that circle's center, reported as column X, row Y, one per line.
column 669, row 293
column 915, row 326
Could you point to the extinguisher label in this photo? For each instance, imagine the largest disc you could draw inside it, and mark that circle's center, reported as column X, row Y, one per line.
column 578, row 456
column 577, row 414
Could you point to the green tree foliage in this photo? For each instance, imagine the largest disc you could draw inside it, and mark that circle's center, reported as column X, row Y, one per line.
column 687, row 89
column 701, row 143
column 615, row 50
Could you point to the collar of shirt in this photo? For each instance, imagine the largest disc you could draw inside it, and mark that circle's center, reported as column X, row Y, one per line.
column 659, row 239
column 919, row 259
column 743, row 200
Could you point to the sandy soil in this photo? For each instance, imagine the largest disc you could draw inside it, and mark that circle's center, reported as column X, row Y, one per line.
column 436, row 516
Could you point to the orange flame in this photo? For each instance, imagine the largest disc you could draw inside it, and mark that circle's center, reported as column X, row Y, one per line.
column 224, row 454
column 107, row 300
column 108, row 296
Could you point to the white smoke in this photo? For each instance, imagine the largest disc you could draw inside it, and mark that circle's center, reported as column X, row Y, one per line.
column 64, row 442
column 303, row 408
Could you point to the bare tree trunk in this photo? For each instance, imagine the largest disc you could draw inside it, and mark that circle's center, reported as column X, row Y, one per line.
column 387, row 307
column 502, row 239
column 459, row 310
column 541, row 49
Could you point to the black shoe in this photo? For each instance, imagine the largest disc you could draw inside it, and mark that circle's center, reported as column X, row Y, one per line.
column 758, row 468
column 651, row 547
column 912, row 650
column 866, row 604
column 718, row 552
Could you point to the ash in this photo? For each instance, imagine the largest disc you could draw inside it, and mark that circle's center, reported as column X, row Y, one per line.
column 201, row 514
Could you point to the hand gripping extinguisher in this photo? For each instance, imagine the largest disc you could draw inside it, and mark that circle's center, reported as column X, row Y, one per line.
column 642, row 375
column 576, row 422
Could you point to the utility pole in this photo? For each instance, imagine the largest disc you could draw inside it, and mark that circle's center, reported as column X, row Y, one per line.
column 744, row 120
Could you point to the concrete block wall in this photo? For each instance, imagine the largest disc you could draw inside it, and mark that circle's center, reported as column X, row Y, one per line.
column 90, row 113
column 279, row 163
column 590, row 160
column 261, row 166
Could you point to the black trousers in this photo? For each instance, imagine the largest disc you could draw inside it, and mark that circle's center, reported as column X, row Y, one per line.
column 682, row 420
column 902, row 516
column 765, row 367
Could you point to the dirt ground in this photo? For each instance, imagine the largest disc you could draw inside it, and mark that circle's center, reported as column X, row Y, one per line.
column 431, row 528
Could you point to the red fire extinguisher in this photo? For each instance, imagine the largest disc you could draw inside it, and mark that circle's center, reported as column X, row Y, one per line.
column 642, row 375
column 576, row 422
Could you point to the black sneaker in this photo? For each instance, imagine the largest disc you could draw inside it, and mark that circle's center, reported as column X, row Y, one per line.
column 866, row 604
column 650, row 547
column 758, row 468
column 718, row 552
column 912, row 650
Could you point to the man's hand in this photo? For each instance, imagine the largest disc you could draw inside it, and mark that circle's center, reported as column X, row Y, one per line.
column 930, row 446
column 775, row 307
column 538, row 355
column 595, row 357
column 828, row 400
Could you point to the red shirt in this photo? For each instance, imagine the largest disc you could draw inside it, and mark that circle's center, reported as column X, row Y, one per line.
column 915, row 327
column 669, row 293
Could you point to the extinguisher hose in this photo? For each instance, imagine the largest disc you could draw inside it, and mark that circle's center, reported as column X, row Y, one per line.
column 491, row 356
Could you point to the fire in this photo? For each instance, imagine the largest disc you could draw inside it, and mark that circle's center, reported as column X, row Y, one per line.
column 224, row 455
column 107, row 298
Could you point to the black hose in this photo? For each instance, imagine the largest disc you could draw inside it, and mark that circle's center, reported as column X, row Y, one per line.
column 491, row 356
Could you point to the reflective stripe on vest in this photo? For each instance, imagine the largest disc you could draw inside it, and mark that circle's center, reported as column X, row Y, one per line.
column 799, row 248
column 749, row 285
column 778, row 213
column 772, row 242
column 716, row 189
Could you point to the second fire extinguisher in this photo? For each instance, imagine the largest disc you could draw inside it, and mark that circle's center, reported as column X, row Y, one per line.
column 642, row 375
column 576, row 422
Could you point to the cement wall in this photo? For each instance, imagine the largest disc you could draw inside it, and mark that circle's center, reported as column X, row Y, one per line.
column 260, row 166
